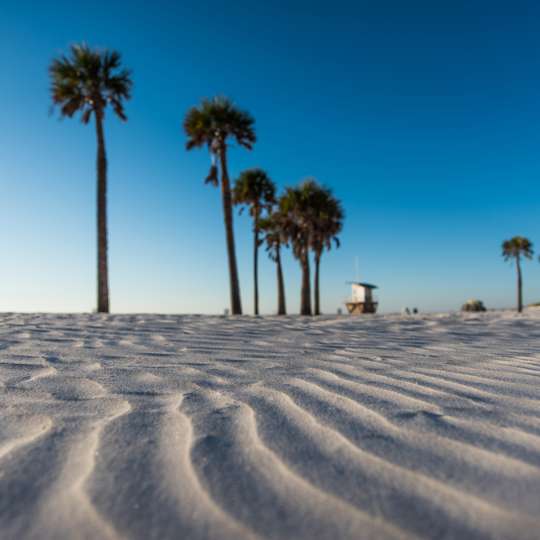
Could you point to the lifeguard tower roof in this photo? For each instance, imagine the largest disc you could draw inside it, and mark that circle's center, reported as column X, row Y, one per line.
column 366, row 285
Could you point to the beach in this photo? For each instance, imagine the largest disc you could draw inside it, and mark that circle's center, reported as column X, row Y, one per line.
column 203, row 427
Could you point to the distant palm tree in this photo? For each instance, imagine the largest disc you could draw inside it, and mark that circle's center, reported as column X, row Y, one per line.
column 254, row 189
column 273, row 235
column 296, row 206
column 86, row 81
column 213, row 123
column 327, row 225
column 515, row 248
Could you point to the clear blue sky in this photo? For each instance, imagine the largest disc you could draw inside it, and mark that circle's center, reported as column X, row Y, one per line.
column 424, row 118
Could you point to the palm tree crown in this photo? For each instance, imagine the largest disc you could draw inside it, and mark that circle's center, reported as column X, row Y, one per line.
column 516, row 247
column 328, row 220
column 256, row 190
column 216, row 120
column 297, row 210
column 87, row 81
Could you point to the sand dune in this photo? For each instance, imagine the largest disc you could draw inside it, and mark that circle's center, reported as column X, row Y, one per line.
column 149, row 426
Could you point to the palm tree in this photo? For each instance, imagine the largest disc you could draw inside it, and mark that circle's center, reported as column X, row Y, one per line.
column 298, row 221
column 213, row 123
column 254, row 189
column 515, row 248
column 328, row 224
column 86, row 81
column 273, row 235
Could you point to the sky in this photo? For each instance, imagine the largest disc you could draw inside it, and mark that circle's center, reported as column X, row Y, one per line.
column 422, row 117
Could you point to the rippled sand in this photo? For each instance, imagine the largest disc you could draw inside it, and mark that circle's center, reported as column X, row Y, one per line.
column 180, row 427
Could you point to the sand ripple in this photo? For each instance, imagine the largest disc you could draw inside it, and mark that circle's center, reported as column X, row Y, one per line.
column 158, row 427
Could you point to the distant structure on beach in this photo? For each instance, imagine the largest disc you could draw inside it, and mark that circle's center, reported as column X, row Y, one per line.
column 362, row 300
column 473, row 305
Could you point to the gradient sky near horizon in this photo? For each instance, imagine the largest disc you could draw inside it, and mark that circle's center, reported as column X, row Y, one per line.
column 423, row 117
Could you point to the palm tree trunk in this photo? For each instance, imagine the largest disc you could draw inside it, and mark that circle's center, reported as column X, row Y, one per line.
column 282, row 309
column 102, row 264
column 305, row 299
column 256, row 263
column 317, row 298
column 519, row 286
column 236, row 303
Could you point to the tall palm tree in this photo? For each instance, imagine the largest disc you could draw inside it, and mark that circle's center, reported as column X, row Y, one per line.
column 327, row 225
column 515, row 248
column 273, row 235
column 254, row 189
column 296, row 206
column 86, row 81
column 213, row 123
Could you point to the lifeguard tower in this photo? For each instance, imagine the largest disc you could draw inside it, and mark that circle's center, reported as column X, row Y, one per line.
column 362, row 300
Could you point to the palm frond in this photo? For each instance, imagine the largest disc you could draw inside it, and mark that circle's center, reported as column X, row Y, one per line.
column 254, row 189
column 516, row 247
column 217, row 120
column 85, row 81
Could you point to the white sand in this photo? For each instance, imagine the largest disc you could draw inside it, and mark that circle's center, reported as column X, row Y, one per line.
column 202, row 427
